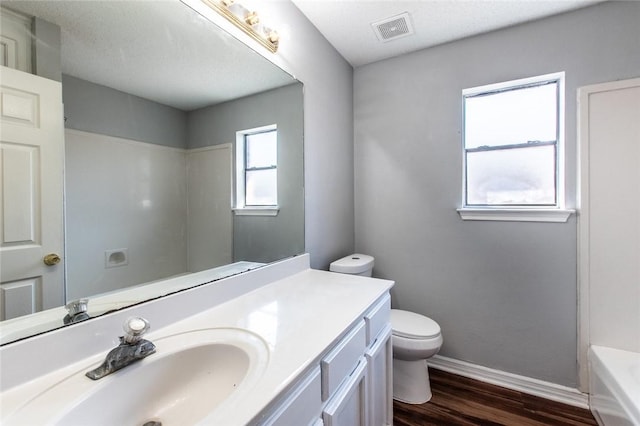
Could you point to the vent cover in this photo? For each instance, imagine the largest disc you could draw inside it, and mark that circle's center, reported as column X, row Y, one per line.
column 393, row 28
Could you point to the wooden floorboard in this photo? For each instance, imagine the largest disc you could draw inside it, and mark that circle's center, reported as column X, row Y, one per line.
column 459, row 401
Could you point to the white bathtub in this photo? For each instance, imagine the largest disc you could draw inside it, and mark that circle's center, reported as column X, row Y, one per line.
column 614, row 381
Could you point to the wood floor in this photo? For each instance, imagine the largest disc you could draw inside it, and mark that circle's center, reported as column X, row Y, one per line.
column 466, row 402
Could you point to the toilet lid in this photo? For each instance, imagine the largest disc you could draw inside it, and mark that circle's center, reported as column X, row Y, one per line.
column 413, row 326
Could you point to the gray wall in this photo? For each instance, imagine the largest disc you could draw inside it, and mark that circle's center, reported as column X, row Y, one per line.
column 263, row 238
column 328, row 132
column 46, row 49
column 100, row 109
column 504, row 293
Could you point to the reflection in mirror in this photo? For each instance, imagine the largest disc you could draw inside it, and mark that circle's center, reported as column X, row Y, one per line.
column 155, row 97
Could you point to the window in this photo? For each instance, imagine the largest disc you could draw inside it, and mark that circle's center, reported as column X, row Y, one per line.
column 257, row 171
column 512, row 145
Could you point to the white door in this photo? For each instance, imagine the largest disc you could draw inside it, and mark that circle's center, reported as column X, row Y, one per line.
column 31, row 189
column 15, row 40
column 210, row 223
column 609, row 218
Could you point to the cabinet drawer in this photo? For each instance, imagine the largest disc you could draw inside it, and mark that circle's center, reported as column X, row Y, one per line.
column 302, row 406
column 348, row 407
column 378, row 317
column 341, row 361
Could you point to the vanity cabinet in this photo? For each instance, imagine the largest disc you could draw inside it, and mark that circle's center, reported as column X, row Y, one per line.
column 350, row 385
column 316, row 348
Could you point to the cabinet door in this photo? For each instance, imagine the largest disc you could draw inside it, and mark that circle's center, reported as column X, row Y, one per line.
column 348, row 407
column 380, row 378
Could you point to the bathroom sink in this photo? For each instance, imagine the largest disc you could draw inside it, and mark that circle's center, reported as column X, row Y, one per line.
column 190, row 377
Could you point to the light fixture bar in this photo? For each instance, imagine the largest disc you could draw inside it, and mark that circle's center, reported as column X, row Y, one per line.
column 266, row 36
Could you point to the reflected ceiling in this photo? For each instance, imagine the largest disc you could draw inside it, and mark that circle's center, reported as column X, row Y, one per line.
column 194, row 60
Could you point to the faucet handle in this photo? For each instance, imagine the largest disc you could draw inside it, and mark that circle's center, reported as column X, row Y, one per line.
column 134, row 328
column 77, row 306
column 76, row 311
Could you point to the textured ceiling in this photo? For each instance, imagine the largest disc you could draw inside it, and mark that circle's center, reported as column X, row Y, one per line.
column 346, row 24
column 158, row 50
column 164, row 51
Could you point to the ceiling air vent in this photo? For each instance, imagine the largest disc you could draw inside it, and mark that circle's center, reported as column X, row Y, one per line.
column 393, row 28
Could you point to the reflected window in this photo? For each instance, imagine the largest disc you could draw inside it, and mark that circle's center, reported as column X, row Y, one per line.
column 512, row 143
column 257, row 167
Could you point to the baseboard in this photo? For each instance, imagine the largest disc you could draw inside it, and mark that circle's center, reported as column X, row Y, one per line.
column 524, row 384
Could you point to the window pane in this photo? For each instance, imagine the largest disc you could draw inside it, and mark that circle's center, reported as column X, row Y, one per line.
column 262, row 149
column 511, row 117
column 261, row 187
column 512, row 176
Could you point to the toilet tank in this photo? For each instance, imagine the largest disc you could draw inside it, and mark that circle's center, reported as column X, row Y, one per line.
column 354, row 264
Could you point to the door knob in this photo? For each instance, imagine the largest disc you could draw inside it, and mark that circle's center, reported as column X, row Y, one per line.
column 51, row 259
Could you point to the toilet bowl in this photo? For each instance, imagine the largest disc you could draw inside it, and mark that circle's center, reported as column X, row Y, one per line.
column 415, row 338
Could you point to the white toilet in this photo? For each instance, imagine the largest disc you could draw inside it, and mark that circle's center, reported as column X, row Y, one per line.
column 414, row 338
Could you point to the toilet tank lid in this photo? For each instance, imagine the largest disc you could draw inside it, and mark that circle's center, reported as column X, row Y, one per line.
column 353, row 264
column 413, row 326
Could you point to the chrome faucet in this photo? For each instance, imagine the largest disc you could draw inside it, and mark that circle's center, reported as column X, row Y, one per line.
column 132, row 348
column 77, row 311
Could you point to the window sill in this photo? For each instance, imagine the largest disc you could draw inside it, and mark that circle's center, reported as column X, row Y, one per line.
column 257, row 211
column 516, row 215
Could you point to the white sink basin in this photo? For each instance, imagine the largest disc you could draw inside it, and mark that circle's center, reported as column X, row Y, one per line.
column 190, row 377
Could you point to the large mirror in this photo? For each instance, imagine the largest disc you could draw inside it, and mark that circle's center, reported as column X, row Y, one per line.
column 158, row 102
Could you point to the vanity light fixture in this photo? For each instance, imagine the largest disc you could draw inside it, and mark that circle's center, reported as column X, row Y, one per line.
column 248, row 21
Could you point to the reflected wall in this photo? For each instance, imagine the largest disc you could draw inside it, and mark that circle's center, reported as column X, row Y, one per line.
column 263, row 238
column 149, row 200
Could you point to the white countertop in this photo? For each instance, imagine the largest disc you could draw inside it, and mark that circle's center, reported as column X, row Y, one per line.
column 299, row 317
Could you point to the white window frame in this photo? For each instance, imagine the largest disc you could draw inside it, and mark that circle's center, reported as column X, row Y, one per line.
column 555, row 213
column 241, row 209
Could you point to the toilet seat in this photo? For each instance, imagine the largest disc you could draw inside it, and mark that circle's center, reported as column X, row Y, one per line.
column 410, row 325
